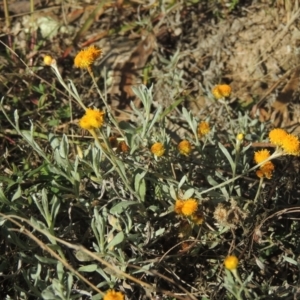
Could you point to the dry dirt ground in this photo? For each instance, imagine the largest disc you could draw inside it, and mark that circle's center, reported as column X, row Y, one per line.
column 254, row 47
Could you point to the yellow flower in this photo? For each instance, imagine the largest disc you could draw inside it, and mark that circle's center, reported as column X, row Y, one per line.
column 184, row 147
column 240, row 137
column 113, row 295
column 85, row 58
column 277, row 135
column 231, row 262
column 158, row 149
column 260, row 156
column 266, row 170
column 178, row 206
column 189, row 207
column 203, row 128
column 291, row 144
column 92, row 119
column 221, row 91
column 48, row 60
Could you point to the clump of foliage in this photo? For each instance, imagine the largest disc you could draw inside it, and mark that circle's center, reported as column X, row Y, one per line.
column 144, row 208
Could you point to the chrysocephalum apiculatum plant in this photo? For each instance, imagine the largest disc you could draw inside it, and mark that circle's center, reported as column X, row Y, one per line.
column 138, row 185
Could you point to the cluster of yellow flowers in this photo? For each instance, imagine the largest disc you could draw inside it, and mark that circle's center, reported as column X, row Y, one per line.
column 93, row 118
column 288, row 142
column 185, row 146
column 265, row 169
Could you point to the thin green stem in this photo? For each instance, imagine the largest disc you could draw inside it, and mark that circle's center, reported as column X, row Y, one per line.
column 111, row 157
column 108, row 109
column 238, row 279
column 274, row 155
column 60, row 79
column 259, row 189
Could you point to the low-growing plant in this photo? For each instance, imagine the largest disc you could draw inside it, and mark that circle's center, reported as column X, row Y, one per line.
column 139, row 208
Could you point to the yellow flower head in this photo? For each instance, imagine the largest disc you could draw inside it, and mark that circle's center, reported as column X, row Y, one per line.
column 158, row 149
column 221, row 91
column 123, row 147
column 277, row 135
column 189, row 207
column 178, row 206
column 291, row 144
column 184, row 147
column 231, row 262
column 240, row 137
column 85, row 58
column 92, row 119
column 113, row 295
column 260, row 156
column 48, row 60
column 266, row 170
column 203, row 128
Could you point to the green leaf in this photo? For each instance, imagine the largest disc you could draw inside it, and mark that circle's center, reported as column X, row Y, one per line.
column 159, row 232
column 69, row 284
column 3, row 198
column 97, row 297
column 171, row 107
column 188, row 194
column 290, row 260
column 120, row 207
column 116, row 240
column 155, row 118
column 182, row 181
column 88, row 268
column 60, row 271
column 54, row 208
column 48, row 294
column 64, row 147
column 228, row 156
column 17, row 194
column 172, row 192
column 46, row 260
column 140, row 185
column 82, row 256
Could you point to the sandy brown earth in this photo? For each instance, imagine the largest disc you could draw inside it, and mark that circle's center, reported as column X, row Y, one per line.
column 255, row 48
